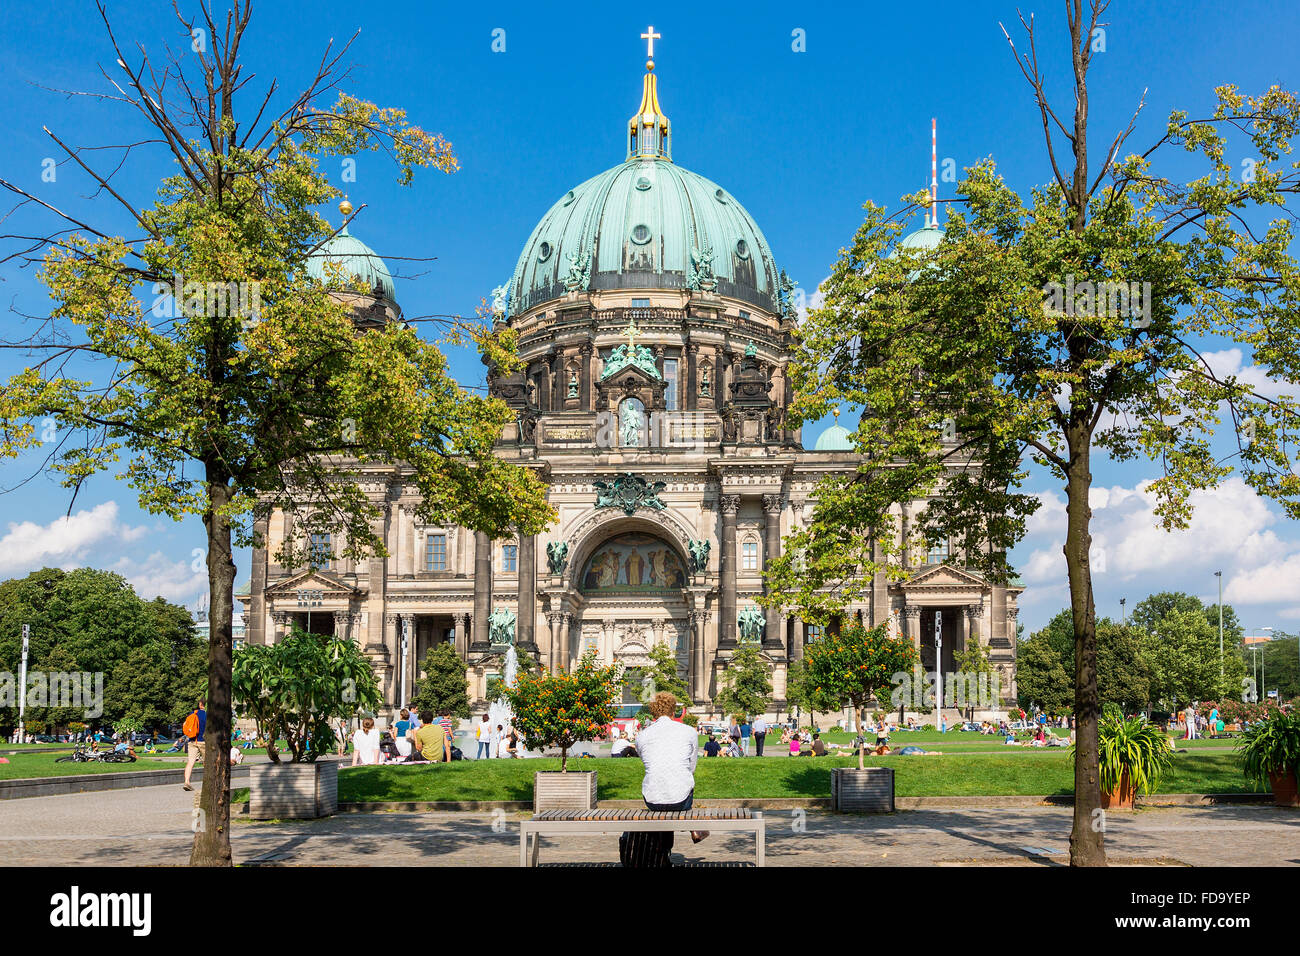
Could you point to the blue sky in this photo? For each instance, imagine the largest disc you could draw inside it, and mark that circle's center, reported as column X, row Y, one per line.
column 801, row 138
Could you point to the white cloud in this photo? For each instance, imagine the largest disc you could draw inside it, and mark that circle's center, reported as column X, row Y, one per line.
column 810, row 302
column 156, row 575
column 66, row 541
column 1227, row 362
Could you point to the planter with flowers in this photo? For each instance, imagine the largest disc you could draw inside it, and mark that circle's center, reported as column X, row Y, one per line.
column 1132, row 755
column 853, row 667
column 560, row 710
column 1269, row 752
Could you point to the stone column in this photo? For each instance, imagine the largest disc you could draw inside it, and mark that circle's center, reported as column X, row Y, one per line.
column 462, row 634
column 527, row 612
column 963, row 619
column 692, row 356
column 913, row 615
column 1012, row 612
column 773, row 636
column 563, row 661
column 972, row 624
column 796, row 648
column 585, row 371
column 729, row 504
column 699, row 683
column 554, row 618
column 482, row 589
column 405, row 541
column 341, row 624
column 281, row 619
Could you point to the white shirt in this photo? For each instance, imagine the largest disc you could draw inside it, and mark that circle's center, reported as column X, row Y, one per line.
column 483, row 730
column 668, row 750
column 619, row 746
column 760, row 726
column 367, row 745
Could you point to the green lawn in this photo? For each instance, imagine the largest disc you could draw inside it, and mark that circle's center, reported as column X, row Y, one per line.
column 43, row 765
column 1046, row 772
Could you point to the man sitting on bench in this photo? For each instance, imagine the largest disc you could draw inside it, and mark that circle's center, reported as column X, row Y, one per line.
column 668, row 749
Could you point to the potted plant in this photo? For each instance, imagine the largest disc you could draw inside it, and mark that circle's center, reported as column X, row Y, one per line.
column 1132, row 756
column 559, row 710
column 1270, row 751
column 853, row 667
column 294, row 689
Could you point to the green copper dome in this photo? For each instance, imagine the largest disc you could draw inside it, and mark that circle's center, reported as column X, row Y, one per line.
column 357, row 260
column 835, row 438
column 645, row 224
column 924, row 239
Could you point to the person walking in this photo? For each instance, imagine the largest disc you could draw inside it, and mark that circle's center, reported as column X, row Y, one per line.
column 760, row 734
column 195, row 724
column 483, row 734
column 734, row 732
column 746, row 729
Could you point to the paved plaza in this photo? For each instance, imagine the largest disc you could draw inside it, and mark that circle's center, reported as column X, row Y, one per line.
column 149, row 826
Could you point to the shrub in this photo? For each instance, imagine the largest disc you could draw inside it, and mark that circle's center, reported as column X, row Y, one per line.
column 1270, row 745
column 559, row 710
column 1134, row 747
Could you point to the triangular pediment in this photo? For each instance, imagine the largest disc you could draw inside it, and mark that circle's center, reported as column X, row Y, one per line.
column 944, row 576
column 315, row 579
column 620, row 376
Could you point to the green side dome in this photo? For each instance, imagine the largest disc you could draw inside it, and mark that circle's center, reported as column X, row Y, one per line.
column 924, row 239
column 835, row 438
column 356, row 259
column 645, row 224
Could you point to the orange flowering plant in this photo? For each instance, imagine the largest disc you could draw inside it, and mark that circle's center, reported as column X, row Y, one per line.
column 558, row 710
column 854, row 666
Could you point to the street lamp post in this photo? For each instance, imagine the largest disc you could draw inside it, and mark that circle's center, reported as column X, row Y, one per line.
column 22, row 686
column 938, row 662
column 309, row 598
column 1219, row 575
column 1122, row 612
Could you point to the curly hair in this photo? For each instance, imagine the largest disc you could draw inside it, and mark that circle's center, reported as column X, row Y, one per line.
column 663, row 705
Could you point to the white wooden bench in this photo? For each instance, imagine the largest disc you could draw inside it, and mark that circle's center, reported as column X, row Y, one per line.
column 562, row 822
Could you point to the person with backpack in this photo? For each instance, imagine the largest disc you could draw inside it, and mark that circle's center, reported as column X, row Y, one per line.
column 193, row 728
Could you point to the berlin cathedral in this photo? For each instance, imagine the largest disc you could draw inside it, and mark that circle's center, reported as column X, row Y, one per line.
column 655, row 330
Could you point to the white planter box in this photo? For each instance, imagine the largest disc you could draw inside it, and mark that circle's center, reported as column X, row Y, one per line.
column 293, row 791
column 870, row 790
column 554, row 790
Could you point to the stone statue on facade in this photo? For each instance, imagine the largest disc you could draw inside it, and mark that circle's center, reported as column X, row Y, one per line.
column 702, row 277
column 579, row 274
column 573, row 383
column 557, row 556
column 630, row 425
column 500, row 301
column 751, row 623
column 699, row 552
column 501, row 626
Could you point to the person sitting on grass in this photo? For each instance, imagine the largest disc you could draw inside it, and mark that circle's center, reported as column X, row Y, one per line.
column 365, row 743
column 431, row 741
column 712, row 748
column 795, row 745
column 818, row 748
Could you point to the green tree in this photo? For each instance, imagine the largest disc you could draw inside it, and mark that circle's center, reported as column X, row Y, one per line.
column 1040, row 675
column 443, row 684
column 975, row 667
column 1123, row 667
column 1183, row 652
column 294, row 688
column 561, row 709
column 143, row 688
column 659, row 676
column 1045, row 328
column 746, row 683
column 855, row 666
column 230, row 412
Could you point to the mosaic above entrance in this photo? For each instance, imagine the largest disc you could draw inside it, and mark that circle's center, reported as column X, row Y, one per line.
column 633, row 563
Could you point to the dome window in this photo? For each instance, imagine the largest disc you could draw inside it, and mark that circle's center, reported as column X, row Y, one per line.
column 742, row 249
column 643, row 184
column 569, row 197
column 544, row 252
column 641, row 234
column 720, row 196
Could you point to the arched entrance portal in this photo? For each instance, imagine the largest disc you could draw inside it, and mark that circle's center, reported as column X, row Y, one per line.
column 631, row 596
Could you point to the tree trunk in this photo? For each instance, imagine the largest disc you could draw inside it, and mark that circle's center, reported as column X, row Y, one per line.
column 858, row 711
column 1087, row 842
column 212, row 837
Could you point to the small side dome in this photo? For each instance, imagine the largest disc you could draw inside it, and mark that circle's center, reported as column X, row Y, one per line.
column 835, row 438
column 924, row 239
column 356, row 259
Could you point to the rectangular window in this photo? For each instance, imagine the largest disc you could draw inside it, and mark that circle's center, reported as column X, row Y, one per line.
column 938, row 554
column 812, row 632
column 510, row 557
column 435, row 552
column 640, row 303
column 744, row 314
column 670, row 384
column 319, row 550
column 749, row 556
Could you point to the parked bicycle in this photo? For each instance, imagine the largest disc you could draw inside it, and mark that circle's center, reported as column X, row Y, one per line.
column 83, row 754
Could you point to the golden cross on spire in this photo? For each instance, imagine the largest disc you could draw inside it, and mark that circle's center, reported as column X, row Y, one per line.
column 632, row 330
column 650, row 36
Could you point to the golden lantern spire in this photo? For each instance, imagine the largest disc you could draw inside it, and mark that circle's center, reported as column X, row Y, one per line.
column 648, row 130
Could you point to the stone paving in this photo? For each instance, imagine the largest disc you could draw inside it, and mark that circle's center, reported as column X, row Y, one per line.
column 150, row 826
